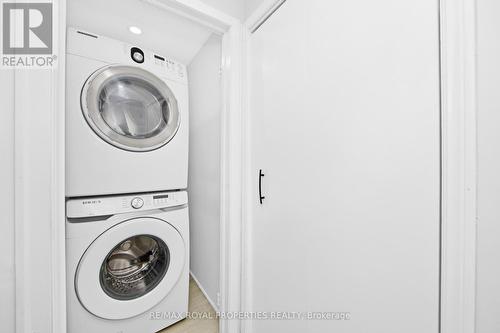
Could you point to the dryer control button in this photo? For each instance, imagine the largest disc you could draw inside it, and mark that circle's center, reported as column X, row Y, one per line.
column 137, row 203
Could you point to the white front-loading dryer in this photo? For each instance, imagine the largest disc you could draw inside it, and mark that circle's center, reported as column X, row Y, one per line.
column 127, row 119
column 127, row 262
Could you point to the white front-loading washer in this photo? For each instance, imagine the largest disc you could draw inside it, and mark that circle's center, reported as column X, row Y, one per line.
column 126, row 118
column 127, row 262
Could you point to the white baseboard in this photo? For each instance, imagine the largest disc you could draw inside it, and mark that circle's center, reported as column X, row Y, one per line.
column 212, row 303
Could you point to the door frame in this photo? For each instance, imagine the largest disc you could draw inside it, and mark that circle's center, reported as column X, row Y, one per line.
column 458, row 163
column 230, row 29
column 39, row 190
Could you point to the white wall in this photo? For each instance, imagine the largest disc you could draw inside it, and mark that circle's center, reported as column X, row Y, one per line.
column 235, row 8
column 204, row 165
column 488, row 252
column 251, row 6
column 7, row 277
column 241, row 9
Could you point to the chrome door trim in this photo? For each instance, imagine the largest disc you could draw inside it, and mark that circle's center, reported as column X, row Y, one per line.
column 90, row 109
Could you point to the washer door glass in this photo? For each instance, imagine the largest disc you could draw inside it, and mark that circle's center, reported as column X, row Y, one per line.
column 130, row 108
column 130, row 268
column 134, row 267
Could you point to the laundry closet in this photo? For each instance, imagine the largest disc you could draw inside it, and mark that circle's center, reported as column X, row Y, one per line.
column 143, row 167
column 180, row 159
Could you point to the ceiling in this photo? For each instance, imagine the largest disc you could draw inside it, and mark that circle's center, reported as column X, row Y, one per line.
column 164, row 32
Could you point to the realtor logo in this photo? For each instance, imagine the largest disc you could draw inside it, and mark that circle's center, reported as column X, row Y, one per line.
column 27, row 35
column 27, row 28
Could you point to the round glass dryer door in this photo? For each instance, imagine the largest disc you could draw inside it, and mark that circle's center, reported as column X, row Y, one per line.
column 130, row 108
column 130, row 268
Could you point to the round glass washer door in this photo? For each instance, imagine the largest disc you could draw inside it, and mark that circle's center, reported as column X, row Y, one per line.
column 134, row 267
column 130, row 268
column 130, row 108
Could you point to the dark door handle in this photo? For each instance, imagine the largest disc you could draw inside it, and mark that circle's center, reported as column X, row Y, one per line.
column 261, row 197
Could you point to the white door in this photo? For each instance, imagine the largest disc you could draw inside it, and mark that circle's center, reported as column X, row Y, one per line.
column 345, row 126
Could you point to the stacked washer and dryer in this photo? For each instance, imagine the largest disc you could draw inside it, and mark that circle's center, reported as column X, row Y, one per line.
column 127, row 226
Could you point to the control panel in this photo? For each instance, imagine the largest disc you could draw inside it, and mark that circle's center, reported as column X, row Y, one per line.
column 112, row 51
column 112, row 205
column 137, row 203
column 156, row 63
column 171, row 67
